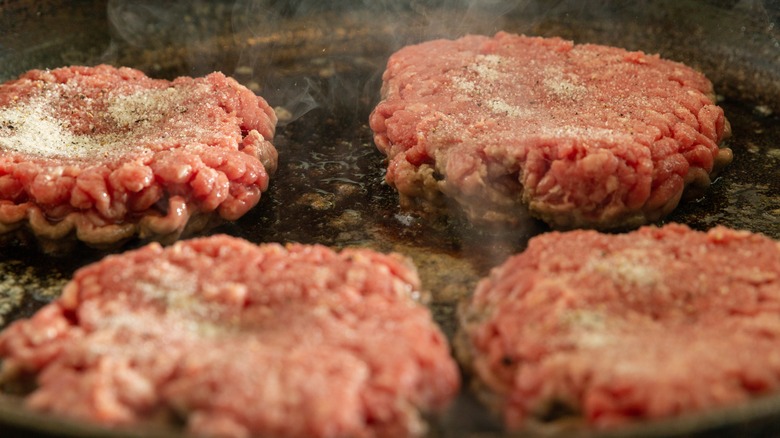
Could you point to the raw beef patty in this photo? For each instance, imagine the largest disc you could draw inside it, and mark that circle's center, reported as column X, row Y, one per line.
column 104, row 154
column 614, row 328
column 579, row 135
column 239, row 340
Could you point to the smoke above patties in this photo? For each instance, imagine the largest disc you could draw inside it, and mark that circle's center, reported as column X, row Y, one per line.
column 305, row 55
column 300, row 54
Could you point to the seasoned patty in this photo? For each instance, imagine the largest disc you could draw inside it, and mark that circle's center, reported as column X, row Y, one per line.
column 239, row 340
column 610, row 329
column 577, row 135
column 104, row 154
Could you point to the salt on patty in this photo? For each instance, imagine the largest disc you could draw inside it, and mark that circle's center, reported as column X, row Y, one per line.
column 104, row 154
column 239, row 340
column 609, row 329
column 577, row 135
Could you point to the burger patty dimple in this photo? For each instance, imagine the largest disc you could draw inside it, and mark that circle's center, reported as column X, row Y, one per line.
column 239, row 340
column 616, row 328
column 105, row 154
column 578, row 135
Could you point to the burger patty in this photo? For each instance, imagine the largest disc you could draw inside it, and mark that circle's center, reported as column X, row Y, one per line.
column 239, row 340
column 577, row 135
column 105, row 154
column 614, row 328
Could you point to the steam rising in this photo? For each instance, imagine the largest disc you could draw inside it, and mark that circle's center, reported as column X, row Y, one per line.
column 298, row 54
column 350, row 36
column 133, row 21
column 270, row 44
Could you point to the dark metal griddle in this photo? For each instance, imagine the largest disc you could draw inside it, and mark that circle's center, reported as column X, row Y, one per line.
column 321, row 65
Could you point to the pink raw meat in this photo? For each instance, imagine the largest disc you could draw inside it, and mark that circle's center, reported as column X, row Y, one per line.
column 103, row 154
column 577, row 135
column 610, row 328
column 239, row 340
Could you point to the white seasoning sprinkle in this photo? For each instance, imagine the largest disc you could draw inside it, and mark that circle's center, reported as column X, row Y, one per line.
column 464, row 84
column 499, row 106
column 30, row 129
column 486, row 67
column 34, row 127
column 563, row 86
column 627, row 268
column 148, row 106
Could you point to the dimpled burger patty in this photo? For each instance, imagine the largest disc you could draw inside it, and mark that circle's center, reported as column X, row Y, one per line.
column 610, row 328
column 578, row 135
column 103, row 154
column 239, row 340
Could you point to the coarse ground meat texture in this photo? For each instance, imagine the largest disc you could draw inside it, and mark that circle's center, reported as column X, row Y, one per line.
column 104, row 154
column 611, row 329
column 239, row 340
column 577, row 135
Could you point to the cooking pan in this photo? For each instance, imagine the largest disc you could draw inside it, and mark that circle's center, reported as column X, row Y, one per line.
column 320, row 65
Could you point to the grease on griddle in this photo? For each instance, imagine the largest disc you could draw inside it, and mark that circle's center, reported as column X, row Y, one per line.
column 23, row 286
column 747, row 193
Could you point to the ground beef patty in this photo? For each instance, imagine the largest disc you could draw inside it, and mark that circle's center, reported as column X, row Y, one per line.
column 107, row 153
column 239, row 340
column 579, row 135
column 614, row 328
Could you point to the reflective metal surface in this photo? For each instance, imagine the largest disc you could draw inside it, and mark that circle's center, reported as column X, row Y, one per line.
column 320, row 66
